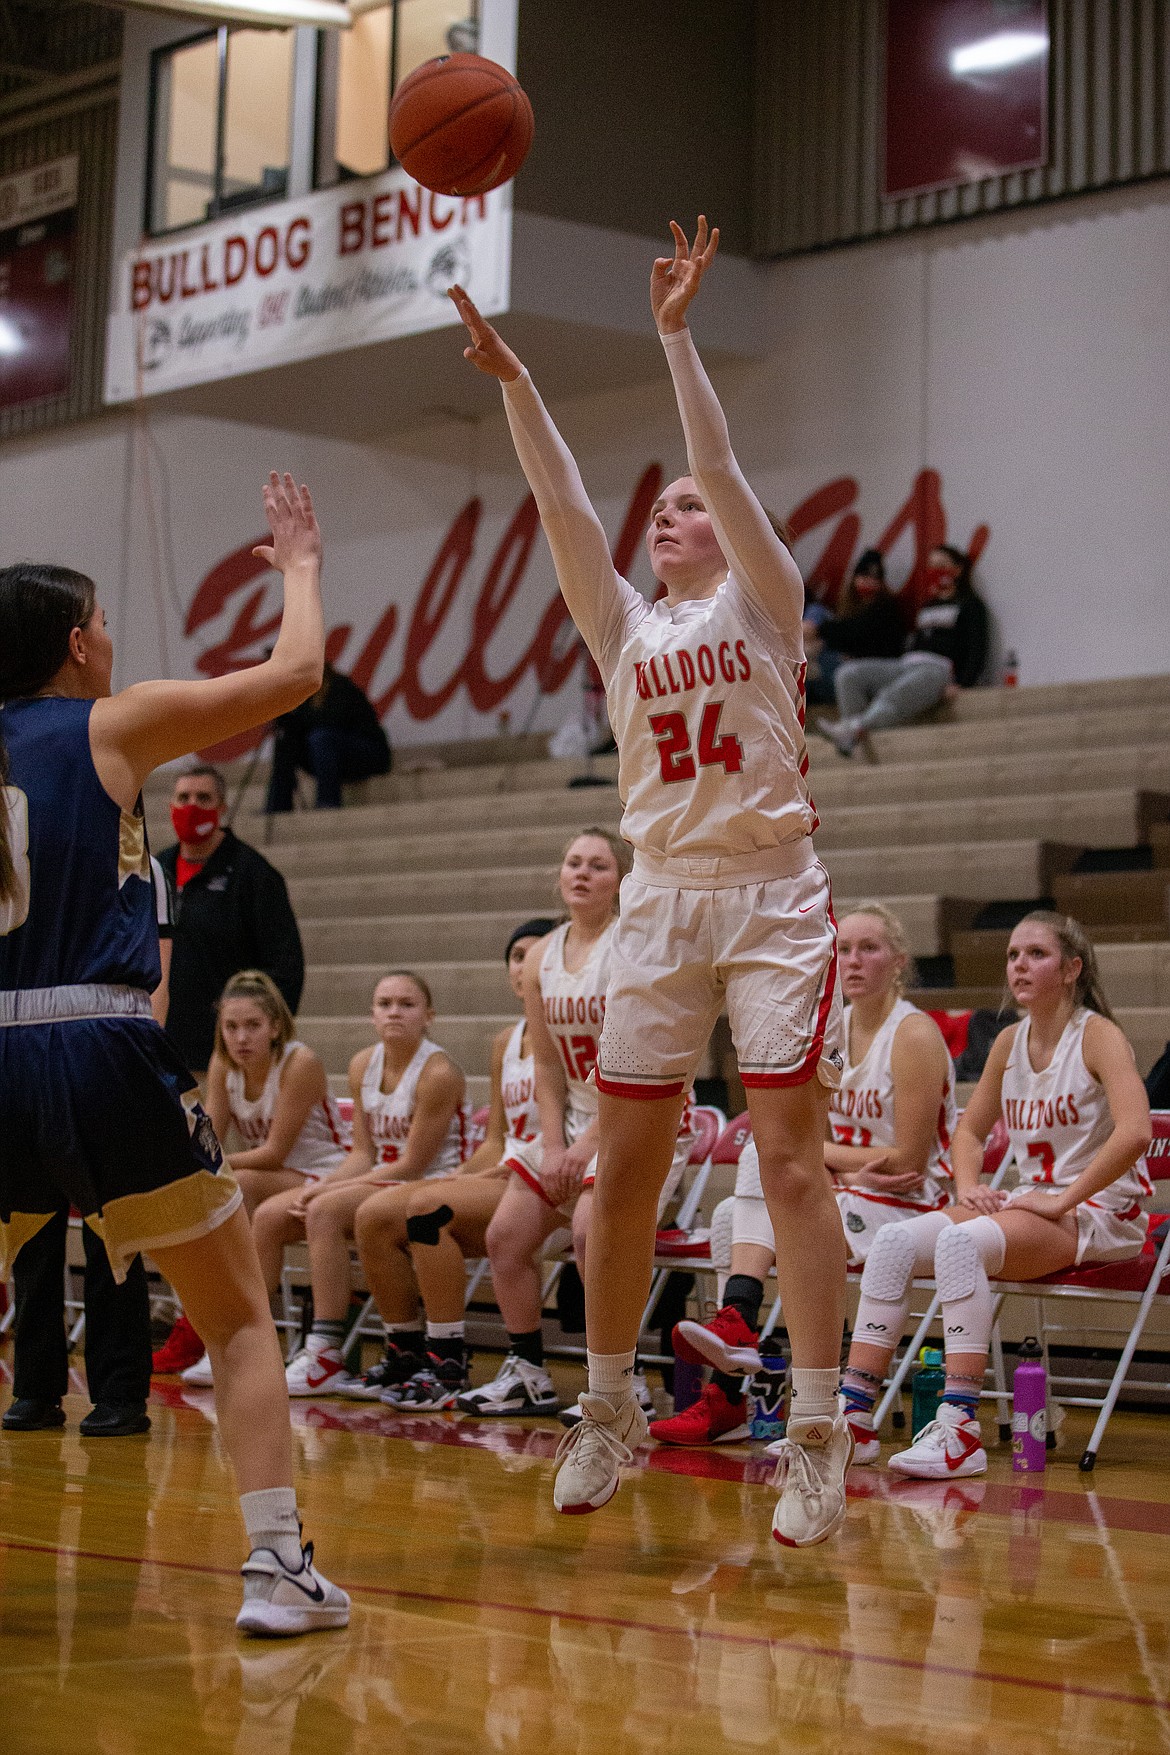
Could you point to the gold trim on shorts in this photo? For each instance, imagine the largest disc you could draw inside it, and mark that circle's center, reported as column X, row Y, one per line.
column 178, row 1213
column 15, row 1233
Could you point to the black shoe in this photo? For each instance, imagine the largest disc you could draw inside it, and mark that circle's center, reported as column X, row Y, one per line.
column 433, row 1388
column 396, row 1367
column 116, row 1420
column 27, row 1415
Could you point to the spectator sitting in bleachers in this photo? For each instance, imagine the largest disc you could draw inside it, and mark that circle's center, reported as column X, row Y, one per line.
column 868, row 624
column 274, row 1091
column 417, row 1237
column 945, row 652
column 887, row 1151
column 410, row 1121
column 335, row 735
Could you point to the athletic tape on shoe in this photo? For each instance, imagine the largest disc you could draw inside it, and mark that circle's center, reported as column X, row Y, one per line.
column 425, row 1227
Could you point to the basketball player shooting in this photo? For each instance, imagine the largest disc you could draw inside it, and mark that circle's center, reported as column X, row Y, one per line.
column 726, row 902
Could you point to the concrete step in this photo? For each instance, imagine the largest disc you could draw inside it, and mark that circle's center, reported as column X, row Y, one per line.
column 1135, row 975
column 980, row 871
column 1018, row 738
column 1137, row 766
column 1148, row 1029
column 980, row 957
column 1113, row 897
column 345, row 989
column 980, row 705
column 467, row 1040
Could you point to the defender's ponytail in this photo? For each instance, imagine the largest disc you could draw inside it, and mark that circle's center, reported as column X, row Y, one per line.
column 39, row 608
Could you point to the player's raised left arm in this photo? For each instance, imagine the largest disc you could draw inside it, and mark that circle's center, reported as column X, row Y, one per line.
column 751, row 546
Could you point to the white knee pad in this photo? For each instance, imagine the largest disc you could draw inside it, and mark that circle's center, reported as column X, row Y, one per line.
column 963, row 1252
column 747, row 1173
column 752, row 1223
column 722, row 1231
column 889, row 1266
column 963, row 1258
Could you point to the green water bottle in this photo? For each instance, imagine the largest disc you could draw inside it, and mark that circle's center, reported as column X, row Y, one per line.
column 929, row 1382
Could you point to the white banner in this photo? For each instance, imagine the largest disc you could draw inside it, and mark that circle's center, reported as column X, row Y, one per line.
column 365, row 262
column 29, row 195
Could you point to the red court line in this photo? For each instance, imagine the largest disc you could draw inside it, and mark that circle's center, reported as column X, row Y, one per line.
column 757, row 1641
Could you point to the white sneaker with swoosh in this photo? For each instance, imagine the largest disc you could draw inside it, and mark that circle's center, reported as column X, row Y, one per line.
column 950, row 1447
column 279, row 1603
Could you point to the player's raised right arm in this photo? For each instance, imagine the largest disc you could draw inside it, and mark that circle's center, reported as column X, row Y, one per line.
column 133, row 731
column 580, row 547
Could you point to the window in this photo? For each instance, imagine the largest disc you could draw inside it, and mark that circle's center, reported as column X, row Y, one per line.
column 385, row 44
column 221, row 131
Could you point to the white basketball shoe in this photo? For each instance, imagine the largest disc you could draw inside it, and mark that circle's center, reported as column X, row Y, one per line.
column 814, row 1455
column 198, row 1376
column 948, row 1448
column 591, row 1455
column 279, row 1602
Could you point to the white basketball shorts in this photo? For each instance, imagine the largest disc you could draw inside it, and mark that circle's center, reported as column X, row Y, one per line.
column 766, row 949
column 1103, row 1234
column 523, row 1157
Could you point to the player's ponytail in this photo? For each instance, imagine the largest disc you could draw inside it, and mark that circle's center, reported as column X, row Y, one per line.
column 1074, row 941
column 39, row 608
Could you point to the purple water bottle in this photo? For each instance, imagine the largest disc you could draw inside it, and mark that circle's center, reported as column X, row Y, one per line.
column 1030, row 1410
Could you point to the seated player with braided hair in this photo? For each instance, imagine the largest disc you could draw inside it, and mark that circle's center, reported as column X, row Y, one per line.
column 1065, row 1082
column 418, row 1236
column 891, row 1123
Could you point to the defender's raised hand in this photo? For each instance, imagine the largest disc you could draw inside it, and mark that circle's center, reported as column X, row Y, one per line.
column 674, row 281
column 487, row 352
column 296, row 537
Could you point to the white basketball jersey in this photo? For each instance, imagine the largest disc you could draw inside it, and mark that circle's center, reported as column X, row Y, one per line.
column 861, row 1112
column 390, row 1113
column 574, row 1010
column 518, row 1088
column 322, row 1142
column 708, row 711
column 1059, row 1119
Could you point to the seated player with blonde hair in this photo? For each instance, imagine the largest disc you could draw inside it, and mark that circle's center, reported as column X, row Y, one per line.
column 416, row 1238
column 891, row 1123
column 274, row 1091
column 1065, row 1082
column 410, row 1120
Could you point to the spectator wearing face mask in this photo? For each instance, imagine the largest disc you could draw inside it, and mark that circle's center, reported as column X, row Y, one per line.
column 945, row 652
column 868, row 624
column 232, row 912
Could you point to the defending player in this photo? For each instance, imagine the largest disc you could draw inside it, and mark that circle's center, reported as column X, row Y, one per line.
column 274, row 1090
column 726, row 900
column 95, row 1107
column 410, row 1120
column 1065, row 1082
column 891, row 1124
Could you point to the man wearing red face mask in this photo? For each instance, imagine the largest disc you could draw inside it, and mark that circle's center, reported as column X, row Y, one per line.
column 232, row 912
column 946, row 650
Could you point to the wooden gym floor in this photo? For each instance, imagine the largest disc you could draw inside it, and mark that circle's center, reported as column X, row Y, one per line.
column 952, row 1617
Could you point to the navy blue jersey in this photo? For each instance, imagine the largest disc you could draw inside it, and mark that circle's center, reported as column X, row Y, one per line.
column 85, row 908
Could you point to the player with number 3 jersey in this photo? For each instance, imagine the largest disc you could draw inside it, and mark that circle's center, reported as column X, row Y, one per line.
column 1066, row 1085
column 726, row 904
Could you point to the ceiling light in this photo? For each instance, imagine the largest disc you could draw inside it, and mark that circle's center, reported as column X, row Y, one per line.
column 286, row 12
column 1007, row 48
column 11, row 340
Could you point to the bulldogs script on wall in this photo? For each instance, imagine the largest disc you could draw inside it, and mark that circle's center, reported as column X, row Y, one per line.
column 234, row 615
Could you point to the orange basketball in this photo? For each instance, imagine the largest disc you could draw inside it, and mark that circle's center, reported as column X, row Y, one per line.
column 460, row 125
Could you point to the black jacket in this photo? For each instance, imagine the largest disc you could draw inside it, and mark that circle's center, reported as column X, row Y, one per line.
column 345, row 708
column 876, row 630
column 232, row 914
column 956, row 628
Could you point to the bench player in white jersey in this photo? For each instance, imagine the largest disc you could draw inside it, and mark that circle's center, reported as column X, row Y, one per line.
column 274, row 1091
column 414, row 1239
column 726, row 902
column 1065, row 1082
column 410, row 1120
column 891, row 1123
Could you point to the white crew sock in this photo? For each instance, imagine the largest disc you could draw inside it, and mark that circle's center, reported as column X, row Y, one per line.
column 444, row 1331
column 814, row 1393
column 270, row 1518
column 612, row 1375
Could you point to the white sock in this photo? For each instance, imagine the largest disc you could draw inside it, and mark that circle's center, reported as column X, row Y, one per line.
column 270, row 1518
column 814, row 1393
column 402, row 1328
column 612, row 1375
column 444, row 1331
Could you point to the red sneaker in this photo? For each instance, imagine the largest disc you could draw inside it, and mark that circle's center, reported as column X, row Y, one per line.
column 181, row 1348
column 713, row 1419
column 725, row 1342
